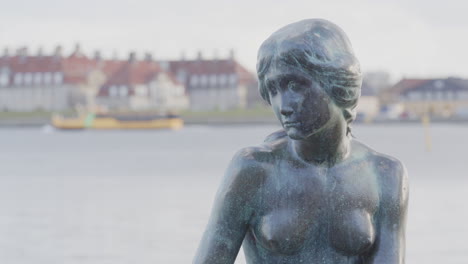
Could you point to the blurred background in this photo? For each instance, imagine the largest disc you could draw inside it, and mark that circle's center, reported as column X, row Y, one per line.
column 118, row 118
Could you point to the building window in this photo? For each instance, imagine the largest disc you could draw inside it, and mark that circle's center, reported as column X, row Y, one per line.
column 18, row 80
column 463, row 95
column 123, row 91
column 47, row 77
column 4, row 79
column 194, row 80
column 37, row 78
column 222, row 79
column 58, row 78
column 428, row 96
column 28, row 78
column 113, row 91
column 181, row 75
column 439, row 84
column 213, row 79
column 233, row 79
column 203, row 80
column 414, row 96
column 449, row 95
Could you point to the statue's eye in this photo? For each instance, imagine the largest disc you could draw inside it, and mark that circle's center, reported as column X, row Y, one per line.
column 272, row 89
column 294, row 86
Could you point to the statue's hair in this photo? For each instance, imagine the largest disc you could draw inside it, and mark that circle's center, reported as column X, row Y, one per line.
column 320, row 49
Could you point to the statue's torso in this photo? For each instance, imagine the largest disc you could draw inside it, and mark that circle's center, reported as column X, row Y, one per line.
column 314, row 214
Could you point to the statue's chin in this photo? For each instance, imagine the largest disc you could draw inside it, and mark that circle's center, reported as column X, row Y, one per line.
column 299, row 134
column 295, row 134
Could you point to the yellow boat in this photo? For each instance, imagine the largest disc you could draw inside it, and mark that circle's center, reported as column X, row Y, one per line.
column 118, row 121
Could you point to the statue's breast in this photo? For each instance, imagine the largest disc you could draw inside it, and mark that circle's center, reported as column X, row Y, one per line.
column 313, row 211
column 352, row 233
column 353, row 201
column 283, row 231
column 289, row 211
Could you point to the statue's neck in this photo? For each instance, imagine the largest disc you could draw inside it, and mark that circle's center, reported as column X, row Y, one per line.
column 327, row 147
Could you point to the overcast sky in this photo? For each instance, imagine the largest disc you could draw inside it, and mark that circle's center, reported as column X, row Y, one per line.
column 406, row 38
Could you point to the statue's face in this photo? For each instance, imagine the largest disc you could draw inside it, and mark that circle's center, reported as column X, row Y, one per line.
column 299, row 102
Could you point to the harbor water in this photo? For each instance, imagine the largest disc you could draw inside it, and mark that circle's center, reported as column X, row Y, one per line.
column 125, row 197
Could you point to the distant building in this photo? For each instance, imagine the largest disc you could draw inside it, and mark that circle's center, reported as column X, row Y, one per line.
column 437, row 97
column 47, row 82
column 56, row 82
column 142, row 85
column 368, row 106
column 85, row 75
column 29, row 83
column 216, row 84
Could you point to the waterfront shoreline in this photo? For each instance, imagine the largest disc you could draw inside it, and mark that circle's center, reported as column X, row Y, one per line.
column 39, row 122
column 251, row 116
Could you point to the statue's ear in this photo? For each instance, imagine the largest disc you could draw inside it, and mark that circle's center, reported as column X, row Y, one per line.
column 349, row 116
column 345, row 97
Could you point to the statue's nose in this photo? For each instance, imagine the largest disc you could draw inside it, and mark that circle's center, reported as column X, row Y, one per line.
column 286, row 110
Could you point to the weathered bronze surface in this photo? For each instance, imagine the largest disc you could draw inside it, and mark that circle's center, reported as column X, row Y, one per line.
column 310, row 193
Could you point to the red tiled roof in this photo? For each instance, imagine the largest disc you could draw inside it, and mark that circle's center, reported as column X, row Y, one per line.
column 134, row 73
column 35, row 63
column 74, row 68
column 109, row 67
column 131, row 73
column 407, row 84
column 224, row 66
column 4, row 61
column 450, row 83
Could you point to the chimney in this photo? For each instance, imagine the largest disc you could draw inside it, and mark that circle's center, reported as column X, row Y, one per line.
column 58, row 51
column 6, row 52
column 215, row 55
column 40, row 52
column 22, row 53
column 115, row 56
column 231, row 54
column 132, row 57
column 77, row 51
column 97, row 55
column 199, row 55
column 148, row 57
column 182, row 56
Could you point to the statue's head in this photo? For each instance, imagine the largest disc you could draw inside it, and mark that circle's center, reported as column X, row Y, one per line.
column 320, row 52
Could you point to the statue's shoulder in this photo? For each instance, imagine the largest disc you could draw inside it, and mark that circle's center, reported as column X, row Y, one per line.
column 279, row 135
column 248, row 169
column 391, row 172
column 263, row 154
column 387, row 165
column 276, row 142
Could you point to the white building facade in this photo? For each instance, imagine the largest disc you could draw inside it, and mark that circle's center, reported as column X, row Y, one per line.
column 27, row 91
column 142, row 85
column 218, row 84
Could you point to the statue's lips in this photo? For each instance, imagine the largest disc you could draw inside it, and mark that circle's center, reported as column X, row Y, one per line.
column 291, row 124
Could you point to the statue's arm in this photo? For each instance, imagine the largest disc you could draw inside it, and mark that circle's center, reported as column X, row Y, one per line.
column 390, row 243
column 231, row 211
